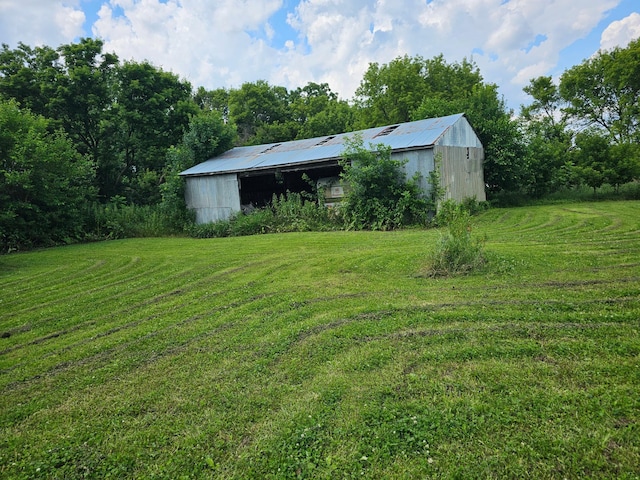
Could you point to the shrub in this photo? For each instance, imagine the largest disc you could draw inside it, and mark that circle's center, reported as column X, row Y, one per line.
column 380, row 197
column 116, row 220
column 221, row 228
column 300, row 212
column 457, row 252
column 290, row 212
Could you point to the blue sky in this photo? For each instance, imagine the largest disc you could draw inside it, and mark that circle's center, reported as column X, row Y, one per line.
column 223, row 43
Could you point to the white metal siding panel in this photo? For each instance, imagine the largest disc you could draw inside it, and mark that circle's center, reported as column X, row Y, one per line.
column 460, row 134
column 213, row 198
column 461, row 173
column 418, row 161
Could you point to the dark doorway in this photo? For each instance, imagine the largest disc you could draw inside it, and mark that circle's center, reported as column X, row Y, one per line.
column 257, row 189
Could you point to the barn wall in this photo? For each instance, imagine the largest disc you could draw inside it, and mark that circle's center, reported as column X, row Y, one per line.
column 214, row 197
column 418, row 161
column 461, row 172
column 460, row 134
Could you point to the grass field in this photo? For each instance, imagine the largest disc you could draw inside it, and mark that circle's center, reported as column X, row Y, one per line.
column 328, row 355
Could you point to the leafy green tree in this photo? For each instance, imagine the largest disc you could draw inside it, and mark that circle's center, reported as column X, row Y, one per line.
column 217, row 99
column 153, row 108
column 591, row 158
column 207, row 136
column 548, row 138
column 337, row 117
column 72, row 86
column 258, row 104
column 379, row 195
column 82, row 105
column 624, row 164
column 317, row 111
column 604, row 92
column 29, row 76
column 44, row 182
column 391, row 93
column 505, row 167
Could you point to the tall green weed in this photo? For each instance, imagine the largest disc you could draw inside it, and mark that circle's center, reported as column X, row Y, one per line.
column 117, row 219
column 457, row 251
column 290, row 212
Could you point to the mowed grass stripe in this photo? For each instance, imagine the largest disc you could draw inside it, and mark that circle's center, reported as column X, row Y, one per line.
column 327, row 355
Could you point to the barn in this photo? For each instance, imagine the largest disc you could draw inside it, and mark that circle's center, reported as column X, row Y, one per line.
column 249, row 176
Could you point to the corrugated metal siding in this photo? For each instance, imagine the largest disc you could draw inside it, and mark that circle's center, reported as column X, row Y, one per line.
column 460, row 134
column 418, row 161
column 461, row 172
column 213, row 198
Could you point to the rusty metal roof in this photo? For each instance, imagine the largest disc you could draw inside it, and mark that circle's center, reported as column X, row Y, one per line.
column 403, row 136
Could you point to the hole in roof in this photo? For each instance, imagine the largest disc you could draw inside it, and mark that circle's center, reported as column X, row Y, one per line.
column 270, row 148
column 386, row 131
column 322, row 142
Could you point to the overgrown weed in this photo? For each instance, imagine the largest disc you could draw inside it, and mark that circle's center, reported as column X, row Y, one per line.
column 457, row 251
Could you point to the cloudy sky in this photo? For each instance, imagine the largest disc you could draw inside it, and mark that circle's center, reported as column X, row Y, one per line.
column 223, row 43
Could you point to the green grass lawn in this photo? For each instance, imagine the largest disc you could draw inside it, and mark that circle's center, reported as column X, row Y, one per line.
column 328, row 355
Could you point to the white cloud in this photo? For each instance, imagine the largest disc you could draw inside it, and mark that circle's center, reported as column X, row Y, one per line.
column 40, row 22
column 510, row 41
column 621, row 32
column 210, row 45
column 227, row 42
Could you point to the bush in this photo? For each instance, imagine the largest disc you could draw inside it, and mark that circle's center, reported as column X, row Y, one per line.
column 291, row 212
column 457, row 251
column 300, row 212
column 116, row 220
column 218, row 229
column 380, row 197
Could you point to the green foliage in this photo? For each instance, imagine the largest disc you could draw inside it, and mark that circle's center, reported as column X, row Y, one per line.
column 379, row 196
column 458, row 251
column 604, row 92
column 44, row 183
column 256, row 105
column 505, row 165
column 207, row 136
column 436, row 190
column 549, row 141
column 391, row 93
column 117, row 220
column 153, row 111
column 591, row 158
column 290, row 212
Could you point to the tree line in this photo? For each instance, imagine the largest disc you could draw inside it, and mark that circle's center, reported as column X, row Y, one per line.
column 80, row 127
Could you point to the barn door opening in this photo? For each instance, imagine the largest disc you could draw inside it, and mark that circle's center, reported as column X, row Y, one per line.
column 257, row 189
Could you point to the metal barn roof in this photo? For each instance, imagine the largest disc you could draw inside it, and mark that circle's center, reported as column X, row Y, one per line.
column 403, row 136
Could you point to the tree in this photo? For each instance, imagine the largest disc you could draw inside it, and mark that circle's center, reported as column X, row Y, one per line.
column 591, row 158
column 44, row 182
column 604, row 92
column 549, row 140
column 82, row 105
column 256, row 105
column 217, row 99
column 207, row 136
column 29, row 76
column 379, row 196
column 624, row 164
column 317, row 111
column 152, row 111
column 391, row 93
column 505, row 167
